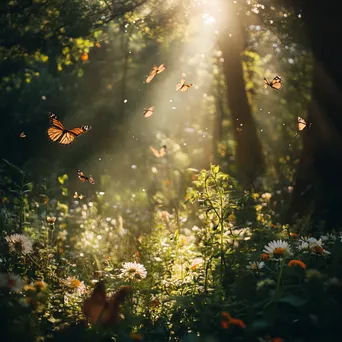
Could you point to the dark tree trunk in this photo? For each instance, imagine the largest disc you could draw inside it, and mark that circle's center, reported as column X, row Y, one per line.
column 318, row 189
column 249, row 155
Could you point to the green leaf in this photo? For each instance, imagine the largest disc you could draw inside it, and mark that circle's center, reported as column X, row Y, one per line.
column 293, row 300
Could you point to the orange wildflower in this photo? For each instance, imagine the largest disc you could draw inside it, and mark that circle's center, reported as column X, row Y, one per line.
column 264, row 256
column 84, row 57
column 224, row 324
column 279, row 251
column 235, row 321
column 296, row 263
column 317, row 249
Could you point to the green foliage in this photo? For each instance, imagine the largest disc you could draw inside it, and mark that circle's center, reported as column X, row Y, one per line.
column 207, row 279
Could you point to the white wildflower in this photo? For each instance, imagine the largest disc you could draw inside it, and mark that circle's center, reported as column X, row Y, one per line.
column 19, row 243
column 133, row 270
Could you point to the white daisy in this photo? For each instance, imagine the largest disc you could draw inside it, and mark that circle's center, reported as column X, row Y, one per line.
column 255, row 265
column 11, row 281
column 76, row 285
column 19, row 243
column 313, row 246
column 278, row 248
column 133, row 270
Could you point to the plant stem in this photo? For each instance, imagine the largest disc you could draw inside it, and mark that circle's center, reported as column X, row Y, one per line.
column 280, row 273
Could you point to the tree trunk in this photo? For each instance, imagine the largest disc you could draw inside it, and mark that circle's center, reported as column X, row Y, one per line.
column 249, row 155
column 319, row 175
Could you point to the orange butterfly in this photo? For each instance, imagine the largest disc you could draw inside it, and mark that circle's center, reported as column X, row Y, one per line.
column 302, row 124
column 276, row 83
column 182, row 86
column 101, row 311
column 155, row 70
column 57, row 131
column 83, row 178
column 22, row 135
column 161, row 153
column 148, row 112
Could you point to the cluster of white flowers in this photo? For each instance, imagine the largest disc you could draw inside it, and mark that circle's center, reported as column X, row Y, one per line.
column 279, row 249
column 313, row 246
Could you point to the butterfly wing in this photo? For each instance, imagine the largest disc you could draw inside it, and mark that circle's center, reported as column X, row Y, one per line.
column 155, row 152
column 54, row 133
column 277, row 83
column 148, row 112
column 95, row 306
column 150, row 77
column 266, row 83
column 180, row 84
column 163, row 151
column 75, row 194
column 301, row 123
column 152, row 74
column 81, row 176
column 55, row 122
column 114, row 302
column 56, row 128
column 101, row 311
column 22, row 135
column 79, row 130
column 91, row 179
column 161, row 68
column 69, row 135
column 186, row 87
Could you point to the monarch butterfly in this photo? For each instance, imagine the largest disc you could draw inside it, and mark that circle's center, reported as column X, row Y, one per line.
column 76, row 195
column 161, row 153
column 155, row 70
column 302, row 124
column 83, row 178
column 276, row 83
column 182, row 86
column 99, row 310
column 57, row 131
column 148, row 112
column 22, row 135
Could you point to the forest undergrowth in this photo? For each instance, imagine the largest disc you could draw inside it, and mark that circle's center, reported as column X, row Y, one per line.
column 214, row 265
